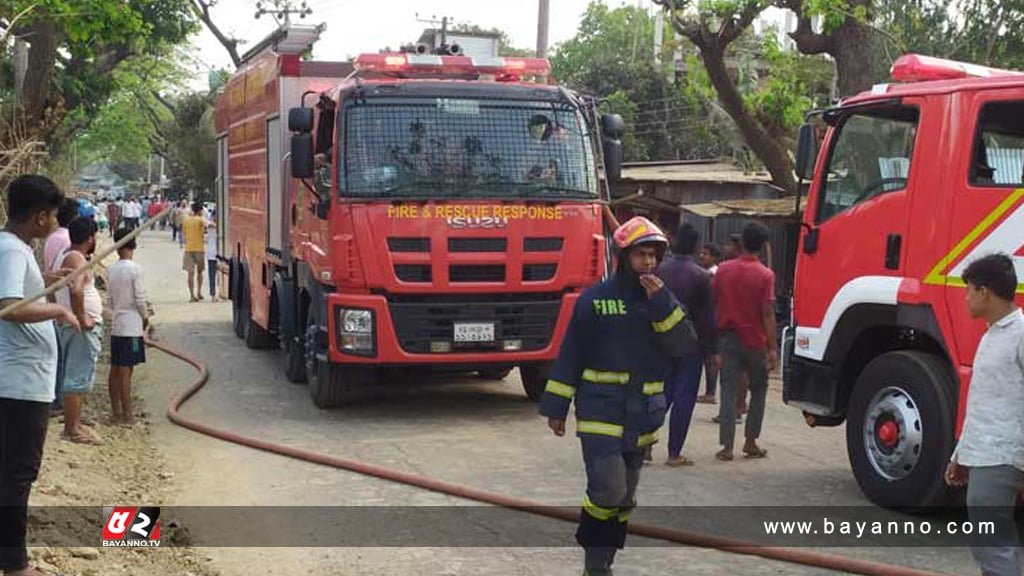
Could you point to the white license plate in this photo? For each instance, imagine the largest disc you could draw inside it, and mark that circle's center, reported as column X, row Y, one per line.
column 474, row 332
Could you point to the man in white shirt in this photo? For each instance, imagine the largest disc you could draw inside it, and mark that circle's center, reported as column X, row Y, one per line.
column 129, row 318
column 28, row 359
column 989, row 458
column 211, row 257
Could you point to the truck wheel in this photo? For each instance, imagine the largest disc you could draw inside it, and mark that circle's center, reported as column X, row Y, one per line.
column 256, row 337
column 535, row 379
column 899, row 429
column 494, row 373
column 238, row 314
column 294, row 360
column 328, row 385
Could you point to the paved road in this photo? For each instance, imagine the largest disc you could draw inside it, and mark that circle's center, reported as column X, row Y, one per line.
column 484, row 434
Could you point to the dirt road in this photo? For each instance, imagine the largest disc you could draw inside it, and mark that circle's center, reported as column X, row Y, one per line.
column 485, row 434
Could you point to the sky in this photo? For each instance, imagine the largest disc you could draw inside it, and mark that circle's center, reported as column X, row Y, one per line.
column 357, row 26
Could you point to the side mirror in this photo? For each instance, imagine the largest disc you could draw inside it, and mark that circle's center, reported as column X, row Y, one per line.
column 302, row 155
column 300, row 120
column 612, row 126
column 612, row 159
column 806, row 152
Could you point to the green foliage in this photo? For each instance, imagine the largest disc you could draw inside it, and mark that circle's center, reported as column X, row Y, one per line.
column 987, row 32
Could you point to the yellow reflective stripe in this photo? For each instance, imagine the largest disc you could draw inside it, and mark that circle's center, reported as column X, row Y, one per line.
column 624, row 515
column 560, row 389
column 652, row 388
column 648, row 438
column 602, row 428
column 936, row 276
column 605, row 377
column 599, row 512
column 670, row 321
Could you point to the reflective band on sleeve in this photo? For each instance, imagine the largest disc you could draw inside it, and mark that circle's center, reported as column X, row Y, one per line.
column 624, row 515
column 670, row 321
column 605, row 377
column 602, row 428
column 647, row 439
column 598, row 512
column 559, row 389
column 652, row 388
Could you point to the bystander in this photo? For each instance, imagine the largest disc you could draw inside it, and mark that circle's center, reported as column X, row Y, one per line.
column 28, row 360
column 80, row 349
column 129, row 319
column 691, row 285
column 989, row 457
column 745, row 294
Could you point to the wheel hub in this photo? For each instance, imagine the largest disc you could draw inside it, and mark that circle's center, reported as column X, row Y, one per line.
column 893, row 434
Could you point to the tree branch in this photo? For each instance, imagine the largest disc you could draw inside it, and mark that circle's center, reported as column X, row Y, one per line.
column 202, row 10
column 162, row 100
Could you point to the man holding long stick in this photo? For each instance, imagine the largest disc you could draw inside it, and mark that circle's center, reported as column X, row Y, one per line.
column 28, row 360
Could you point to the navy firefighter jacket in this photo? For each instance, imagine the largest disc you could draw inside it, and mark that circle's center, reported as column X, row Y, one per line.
column 618, row 351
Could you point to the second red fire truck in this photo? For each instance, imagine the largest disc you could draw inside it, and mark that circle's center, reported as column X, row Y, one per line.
column 914, row 180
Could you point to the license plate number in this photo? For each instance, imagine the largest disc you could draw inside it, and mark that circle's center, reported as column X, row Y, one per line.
column 474, row 332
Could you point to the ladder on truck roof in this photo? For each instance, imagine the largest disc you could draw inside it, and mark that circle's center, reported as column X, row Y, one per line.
column 287, row 39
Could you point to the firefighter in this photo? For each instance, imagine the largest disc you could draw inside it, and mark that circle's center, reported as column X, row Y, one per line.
column 617, row 353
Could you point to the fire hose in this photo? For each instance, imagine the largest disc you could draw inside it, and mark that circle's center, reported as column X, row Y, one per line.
column 689, row 538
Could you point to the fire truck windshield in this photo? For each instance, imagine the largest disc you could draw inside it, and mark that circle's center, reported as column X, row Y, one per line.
column 465, row 148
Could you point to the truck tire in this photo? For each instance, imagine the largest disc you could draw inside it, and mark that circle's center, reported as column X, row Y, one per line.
column 256, row 337
column 328, row 385
column 535, row 379
column 238, row 314
column 294, row 360
column 498, row 373
column 899, row 429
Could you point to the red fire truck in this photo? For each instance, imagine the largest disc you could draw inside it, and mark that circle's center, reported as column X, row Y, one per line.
column 915, row 180
column 408, row 211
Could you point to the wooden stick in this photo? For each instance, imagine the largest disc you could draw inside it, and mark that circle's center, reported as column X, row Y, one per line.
column 89, row 265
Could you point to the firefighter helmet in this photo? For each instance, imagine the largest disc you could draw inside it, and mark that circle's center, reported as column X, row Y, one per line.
column 638, row 230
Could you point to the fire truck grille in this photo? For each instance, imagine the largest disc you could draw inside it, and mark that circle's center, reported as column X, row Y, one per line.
column 539, row 272
column 542, row 244
column 476, row 273
column 409, row 244
column 413, row 272
column 420, row 320
column 477, row 244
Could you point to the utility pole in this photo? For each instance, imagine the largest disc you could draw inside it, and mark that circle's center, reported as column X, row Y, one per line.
column 282, row 10
column 444, row 28
column 543, row 18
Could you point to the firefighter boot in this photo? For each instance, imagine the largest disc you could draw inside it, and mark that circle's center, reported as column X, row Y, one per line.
column 598, row 561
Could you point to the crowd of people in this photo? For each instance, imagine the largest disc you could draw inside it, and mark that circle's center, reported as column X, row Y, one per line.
column 49, row 346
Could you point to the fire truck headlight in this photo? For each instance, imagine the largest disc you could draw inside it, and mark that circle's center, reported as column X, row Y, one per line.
column 356, row 322
column 355, row 331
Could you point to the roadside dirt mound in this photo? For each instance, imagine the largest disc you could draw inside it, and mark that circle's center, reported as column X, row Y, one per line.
column 76, row 481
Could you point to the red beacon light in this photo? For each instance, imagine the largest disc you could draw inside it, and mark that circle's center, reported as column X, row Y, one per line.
column 917, row 68
column 411, row 64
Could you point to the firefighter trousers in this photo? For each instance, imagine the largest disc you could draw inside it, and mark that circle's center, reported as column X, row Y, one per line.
column 612, row 478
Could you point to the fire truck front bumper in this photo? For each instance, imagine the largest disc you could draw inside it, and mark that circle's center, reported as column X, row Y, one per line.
column 410, row 330
column 809, row 385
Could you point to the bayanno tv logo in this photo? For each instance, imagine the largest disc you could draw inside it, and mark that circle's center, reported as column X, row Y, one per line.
column 131, row 526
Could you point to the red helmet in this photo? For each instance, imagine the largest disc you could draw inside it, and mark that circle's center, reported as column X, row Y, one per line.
column 638, row 230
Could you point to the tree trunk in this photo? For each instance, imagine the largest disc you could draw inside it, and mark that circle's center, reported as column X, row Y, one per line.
column 20, row 67
column 849, row 45
column 39, row 76
column 769, row 150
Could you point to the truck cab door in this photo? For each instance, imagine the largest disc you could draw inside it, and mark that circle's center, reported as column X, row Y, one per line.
column 856, row 220
column 988, row 204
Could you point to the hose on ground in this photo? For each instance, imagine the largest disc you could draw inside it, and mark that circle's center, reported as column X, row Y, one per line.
column 697, row 539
